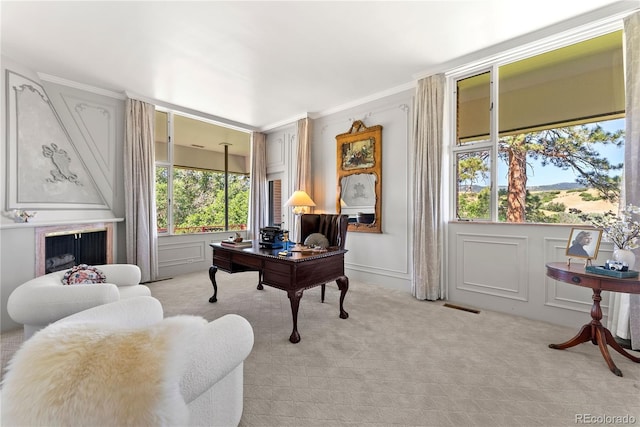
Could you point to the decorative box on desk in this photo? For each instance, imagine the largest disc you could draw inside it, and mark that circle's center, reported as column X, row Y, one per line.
column 601, row 269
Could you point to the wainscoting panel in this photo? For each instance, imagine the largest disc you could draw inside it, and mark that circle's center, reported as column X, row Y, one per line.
column 493, row 265
column 276, row 153
column 565, row 295
column 172, row 254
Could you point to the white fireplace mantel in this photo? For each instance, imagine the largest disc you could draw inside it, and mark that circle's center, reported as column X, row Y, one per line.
column 35, row 223
column 79, row 228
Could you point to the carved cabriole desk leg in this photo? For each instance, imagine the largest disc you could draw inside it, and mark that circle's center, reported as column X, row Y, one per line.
column 343, row 285
column 294, row 299
column 212, row 275
column 260, row 287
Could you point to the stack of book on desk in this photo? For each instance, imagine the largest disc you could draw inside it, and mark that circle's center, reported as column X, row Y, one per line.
column 231, row 244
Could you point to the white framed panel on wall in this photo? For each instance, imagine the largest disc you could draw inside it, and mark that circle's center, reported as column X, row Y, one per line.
column 44, row 167
column 172, row 254
column 563, row 295
column 379, row 258
column 96, row 123
column 276, row 152
column 493, row 265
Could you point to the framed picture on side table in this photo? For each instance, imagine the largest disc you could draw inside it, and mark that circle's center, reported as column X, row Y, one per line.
column 584, row 243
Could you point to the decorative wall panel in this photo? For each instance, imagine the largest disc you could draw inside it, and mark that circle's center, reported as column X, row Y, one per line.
column 493, row 265
column 173, row 254
column 565, row 295
column 276, row 152
column 44, row 168
column 96, row 124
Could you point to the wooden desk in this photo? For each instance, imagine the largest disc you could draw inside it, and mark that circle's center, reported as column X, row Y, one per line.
column 292, row 274
column 594, row 331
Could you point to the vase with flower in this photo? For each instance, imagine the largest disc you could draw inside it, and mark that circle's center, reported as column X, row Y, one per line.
column 623, row 230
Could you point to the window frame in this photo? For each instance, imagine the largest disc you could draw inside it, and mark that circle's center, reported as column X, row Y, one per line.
column 493, row 64
column 169, row 165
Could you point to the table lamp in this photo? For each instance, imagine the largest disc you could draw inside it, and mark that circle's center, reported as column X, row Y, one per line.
column 300, row 201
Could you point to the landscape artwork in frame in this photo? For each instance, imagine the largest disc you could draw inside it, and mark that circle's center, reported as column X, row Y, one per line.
column 584, row 243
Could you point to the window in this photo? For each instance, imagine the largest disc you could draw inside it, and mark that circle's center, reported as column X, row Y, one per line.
column 274, row 214
column 554, row 142
column 202, row 176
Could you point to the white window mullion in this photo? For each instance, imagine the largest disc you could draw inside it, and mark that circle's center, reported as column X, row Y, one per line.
column 494, row 142
column 170, row 173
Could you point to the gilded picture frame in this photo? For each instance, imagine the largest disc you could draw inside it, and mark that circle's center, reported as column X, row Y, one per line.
column 359, row 166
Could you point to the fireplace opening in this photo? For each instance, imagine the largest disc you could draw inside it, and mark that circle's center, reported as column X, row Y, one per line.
column 62, row 247
column 63, row 251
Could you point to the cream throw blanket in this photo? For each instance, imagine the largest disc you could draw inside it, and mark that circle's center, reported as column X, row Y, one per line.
column 75, row 374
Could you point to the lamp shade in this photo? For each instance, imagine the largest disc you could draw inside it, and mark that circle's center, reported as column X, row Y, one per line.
column 299, row 198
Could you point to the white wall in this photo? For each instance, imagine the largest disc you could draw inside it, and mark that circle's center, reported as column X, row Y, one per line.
column 498, row 267
column 98, row 138
column 501, row 267
column 373, row 258
column 489, row 266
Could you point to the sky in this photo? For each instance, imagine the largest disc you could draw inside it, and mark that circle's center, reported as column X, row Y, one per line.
column 538, row 175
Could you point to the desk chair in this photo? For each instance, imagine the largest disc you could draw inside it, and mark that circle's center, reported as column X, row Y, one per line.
column 332, row 226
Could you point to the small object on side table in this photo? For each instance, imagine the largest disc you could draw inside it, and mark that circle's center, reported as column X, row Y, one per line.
column 606, row 270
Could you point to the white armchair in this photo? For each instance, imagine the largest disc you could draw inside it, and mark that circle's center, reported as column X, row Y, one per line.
column 211, row 382
column 45, row 299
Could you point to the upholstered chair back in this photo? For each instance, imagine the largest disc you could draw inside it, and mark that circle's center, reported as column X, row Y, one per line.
column 332, row 226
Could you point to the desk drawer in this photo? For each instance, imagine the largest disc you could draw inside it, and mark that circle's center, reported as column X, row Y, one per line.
column 277, row 273
column 222, row 262
column 247, row 260
column 221, row 254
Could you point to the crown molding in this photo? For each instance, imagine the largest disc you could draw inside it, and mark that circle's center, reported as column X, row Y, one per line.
column 81, row 86
column 195, row 114
column 343, row 107
column 285, row 122
column 588, row 25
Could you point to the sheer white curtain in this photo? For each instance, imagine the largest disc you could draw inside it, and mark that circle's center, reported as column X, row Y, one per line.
column 139, row 186
column 303, row 175
column 628, row 306
column 258, row 199
column 303, row 170
column 428, row 225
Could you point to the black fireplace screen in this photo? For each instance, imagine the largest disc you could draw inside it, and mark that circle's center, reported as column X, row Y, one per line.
column 66, row 250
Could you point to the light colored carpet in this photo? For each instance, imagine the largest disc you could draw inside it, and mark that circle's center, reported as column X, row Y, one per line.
column 400, row 361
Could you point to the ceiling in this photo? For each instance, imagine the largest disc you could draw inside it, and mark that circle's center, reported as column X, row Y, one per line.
column 259, row 64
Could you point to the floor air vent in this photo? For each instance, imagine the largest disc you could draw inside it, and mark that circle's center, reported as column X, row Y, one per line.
column 458, row 307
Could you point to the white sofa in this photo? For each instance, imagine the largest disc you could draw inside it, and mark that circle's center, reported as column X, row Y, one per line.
column 211, row 383
column 43, row 300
